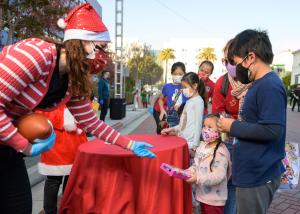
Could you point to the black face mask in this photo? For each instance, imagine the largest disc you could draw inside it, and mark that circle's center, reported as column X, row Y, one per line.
column 242, row 73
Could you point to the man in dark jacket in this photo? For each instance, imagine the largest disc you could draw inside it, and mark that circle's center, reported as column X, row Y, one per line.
column 296, row 98
column 103, row 94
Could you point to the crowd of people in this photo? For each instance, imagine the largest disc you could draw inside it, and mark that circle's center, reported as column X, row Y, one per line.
column 235, row 150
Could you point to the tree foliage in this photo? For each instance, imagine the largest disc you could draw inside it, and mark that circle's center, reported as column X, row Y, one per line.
column 287, row 80
column 142, row 64
column 207, row 54
column 34, row 18
column 166, row 55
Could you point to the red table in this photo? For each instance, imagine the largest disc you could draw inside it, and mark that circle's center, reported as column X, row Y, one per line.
column 109, row 180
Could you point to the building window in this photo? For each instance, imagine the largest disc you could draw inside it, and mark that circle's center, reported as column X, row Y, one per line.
column 297, row 79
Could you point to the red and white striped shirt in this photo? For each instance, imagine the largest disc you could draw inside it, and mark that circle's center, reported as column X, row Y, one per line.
column 25, row 72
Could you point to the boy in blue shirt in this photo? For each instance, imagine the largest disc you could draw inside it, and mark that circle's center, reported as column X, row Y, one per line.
column 260, row 132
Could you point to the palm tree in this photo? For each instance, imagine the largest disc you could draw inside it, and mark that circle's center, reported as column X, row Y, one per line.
column 207, row 54
column 166, row 55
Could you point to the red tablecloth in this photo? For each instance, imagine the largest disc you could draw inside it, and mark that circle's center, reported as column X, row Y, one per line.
column 109, row 180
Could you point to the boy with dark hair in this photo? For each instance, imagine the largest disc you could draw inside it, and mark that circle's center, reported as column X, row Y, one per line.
column 260, row 134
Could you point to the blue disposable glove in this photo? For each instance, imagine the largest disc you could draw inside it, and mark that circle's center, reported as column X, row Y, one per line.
column 40, row 146
column 140, row 149
column 101, row 102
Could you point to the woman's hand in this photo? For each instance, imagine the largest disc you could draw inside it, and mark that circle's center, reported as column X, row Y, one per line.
column 141, row 149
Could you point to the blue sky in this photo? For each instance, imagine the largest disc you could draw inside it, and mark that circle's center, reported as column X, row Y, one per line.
column 155, row 21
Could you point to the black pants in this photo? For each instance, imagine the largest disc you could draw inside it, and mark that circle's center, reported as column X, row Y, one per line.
column 104, row 108
column 51, row 189
column 157, row 120
column 294, row 104
column 15, row 190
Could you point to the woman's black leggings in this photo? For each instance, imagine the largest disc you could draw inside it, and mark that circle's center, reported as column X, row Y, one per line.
column 51, row 189
column 15, row 190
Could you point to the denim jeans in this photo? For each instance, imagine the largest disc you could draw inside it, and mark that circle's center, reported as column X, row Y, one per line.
column 173, row 118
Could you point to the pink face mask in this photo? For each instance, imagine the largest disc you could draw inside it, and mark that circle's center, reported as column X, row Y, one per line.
column 231, row 70
column 210, row 135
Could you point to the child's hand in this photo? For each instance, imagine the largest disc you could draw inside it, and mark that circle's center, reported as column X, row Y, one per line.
column 193, row 178
column 168, row 131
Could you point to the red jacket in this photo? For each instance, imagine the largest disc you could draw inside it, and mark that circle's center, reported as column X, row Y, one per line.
column 209, row 88
column 156, row 104
column 228, row 104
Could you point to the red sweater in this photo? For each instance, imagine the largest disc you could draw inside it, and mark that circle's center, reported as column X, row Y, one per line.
column 25, row 72
column 228, row 104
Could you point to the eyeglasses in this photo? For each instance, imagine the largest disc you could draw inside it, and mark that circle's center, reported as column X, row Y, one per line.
column 243, row 60
column 225, row 61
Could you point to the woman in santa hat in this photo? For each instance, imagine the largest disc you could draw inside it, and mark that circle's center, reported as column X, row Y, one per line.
column 35, row 74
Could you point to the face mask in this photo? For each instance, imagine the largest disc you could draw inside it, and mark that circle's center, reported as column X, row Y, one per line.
column 242, row 73
column 186, row 92
column 210, row 135
column 98, row 60
column 231, row 70
column 176, row 78
column 202, row 76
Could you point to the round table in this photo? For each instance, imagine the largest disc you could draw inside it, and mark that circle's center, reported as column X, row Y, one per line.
column 108, row 179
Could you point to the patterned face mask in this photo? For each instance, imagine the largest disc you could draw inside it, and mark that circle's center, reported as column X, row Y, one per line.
column 210, row 134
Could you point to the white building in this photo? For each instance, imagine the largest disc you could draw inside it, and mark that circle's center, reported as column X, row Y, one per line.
column 187, row 49
column 295, row 79
column 283, row 62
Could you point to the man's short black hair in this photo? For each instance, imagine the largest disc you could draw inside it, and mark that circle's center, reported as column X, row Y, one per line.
column 177, row 65
column 254, row 41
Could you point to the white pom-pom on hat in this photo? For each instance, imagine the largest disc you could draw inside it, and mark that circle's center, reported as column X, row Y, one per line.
column 61, row 23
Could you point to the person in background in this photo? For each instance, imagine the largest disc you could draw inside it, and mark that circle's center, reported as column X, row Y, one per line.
column 206, row 69
column 211, row 169
column 56, row 164
column 170, row 90
column 103, row 94
column 228, row 98
column 260, row 132
column 296, row 98
column 144, row 98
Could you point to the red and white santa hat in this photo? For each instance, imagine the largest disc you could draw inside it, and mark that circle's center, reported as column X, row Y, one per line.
column 84, row 23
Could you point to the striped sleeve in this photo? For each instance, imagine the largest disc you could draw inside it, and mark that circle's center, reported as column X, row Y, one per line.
column 20, row 65
column 86, row 117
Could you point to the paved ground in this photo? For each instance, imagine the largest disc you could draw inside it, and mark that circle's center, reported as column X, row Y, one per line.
column 285, row 201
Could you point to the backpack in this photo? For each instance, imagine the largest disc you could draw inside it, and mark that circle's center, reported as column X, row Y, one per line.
column 225, row 85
